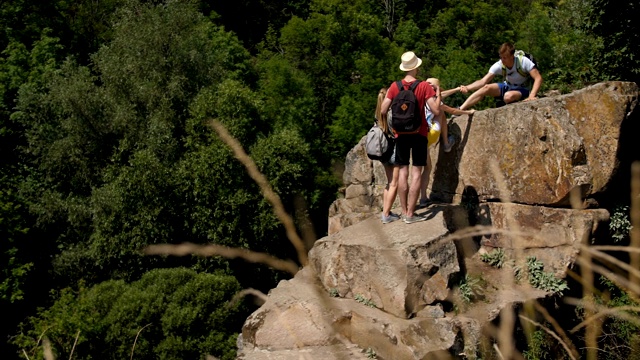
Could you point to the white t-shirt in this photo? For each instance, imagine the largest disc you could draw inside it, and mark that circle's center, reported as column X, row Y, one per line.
column 513, row 77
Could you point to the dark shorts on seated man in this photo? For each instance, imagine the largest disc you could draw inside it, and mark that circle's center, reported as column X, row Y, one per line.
column 505, row 86
column 411, row 147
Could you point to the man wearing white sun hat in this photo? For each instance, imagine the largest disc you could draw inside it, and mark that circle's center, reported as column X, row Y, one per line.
column 412, row 147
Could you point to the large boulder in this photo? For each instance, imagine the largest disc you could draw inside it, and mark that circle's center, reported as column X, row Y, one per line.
column 399, row 268
column 542, row 149
column 301, row 320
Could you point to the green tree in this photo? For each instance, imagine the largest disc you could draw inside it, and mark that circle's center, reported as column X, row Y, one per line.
column 103, row 140
column 616, row 22
column 167, row 314
column 569, row 64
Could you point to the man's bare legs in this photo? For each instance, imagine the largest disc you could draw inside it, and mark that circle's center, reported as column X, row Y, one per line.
column 391, row 190
column 409, row 192
column 487, row 90
column 490, row 90
column 414, row 190
column 403, row 187
column 512, row 96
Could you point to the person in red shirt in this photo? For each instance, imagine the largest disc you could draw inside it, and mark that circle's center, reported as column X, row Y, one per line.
column 412, row 147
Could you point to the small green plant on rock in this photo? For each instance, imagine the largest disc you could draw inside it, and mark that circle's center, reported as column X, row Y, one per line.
column 619, row 225
column 361, row 299
column 333, row 292
column 494, row 258
column 371, row 354
column 470, row 287
column 540, row 279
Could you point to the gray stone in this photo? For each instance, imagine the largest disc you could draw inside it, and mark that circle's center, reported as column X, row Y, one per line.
column 401, row 268
column 552, row 235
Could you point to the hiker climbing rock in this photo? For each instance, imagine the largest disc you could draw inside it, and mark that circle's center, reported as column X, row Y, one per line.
column 516, row 69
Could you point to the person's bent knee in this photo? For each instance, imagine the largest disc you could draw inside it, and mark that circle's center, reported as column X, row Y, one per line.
column 512, row 96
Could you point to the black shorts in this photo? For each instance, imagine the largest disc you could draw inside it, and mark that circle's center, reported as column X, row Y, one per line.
column 411, row 147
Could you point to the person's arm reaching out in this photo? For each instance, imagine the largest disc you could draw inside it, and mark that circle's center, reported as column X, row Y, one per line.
column 477, row 84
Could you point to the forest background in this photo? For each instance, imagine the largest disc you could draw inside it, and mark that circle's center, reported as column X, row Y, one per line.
column 106, row 148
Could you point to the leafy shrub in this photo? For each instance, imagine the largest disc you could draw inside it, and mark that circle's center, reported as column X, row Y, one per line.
column 539, row 346
column 169, row 313
column 620, row 337
column 546, row 281
column 495, row 258
column 619, row 225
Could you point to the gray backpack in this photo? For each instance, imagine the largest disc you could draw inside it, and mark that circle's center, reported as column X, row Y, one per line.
column 379, row 145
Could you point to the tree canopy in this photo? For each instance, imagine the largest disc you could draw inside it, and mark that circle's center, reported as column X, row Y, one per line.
column 106, row 145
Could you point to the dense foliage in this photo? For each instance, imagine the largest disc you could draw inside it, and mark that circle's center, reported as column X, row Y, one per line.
column 167, row 314
column 106, row 149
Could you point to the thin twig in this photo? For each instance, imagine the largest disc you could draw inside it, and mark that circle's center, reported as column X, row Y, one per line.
column 74, row 345
column 257, row 293
column 228, row 252
column 619, row 312
column 42, row 335
column 136, row 339
column 623, row 283
column 542, row 310
column 548, row 331
column 621, row 264
column 628, row 249
column 480, row 230
column 25, row 354
column 265, row 187
column 507, row 315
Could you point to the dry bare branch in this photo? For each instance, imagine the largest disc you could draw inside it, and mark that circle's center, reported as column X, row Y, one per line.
column 227, row 252
column 75, row 342
column 604, row 256
column 257, row 293
column 136, row 339
column 265, row 187
column 507, row 314
column 628, row 249
column 600, row 311
column 542, row 310
column 548, row 331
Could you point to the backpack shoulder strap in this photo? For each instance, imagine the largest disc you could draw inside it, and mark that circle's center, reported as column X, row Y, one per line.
column 399, row 85
column 518, row 60
column 414, row 85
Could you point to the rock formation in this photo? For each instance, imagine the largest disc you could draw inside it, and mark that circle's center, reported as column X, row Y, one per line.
column 390, row 290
